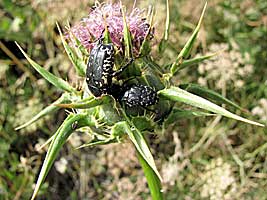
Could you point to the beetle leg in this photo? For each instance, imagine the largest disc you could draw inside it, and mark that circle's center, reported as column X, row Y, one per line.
column 116, row 73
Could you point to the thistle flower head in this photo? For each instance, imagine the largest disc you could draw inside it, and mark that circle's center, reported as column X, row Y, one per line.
column 91, row 28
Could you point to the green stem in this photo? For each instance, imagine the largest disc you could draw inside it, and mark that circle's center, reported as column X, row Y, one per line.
column 154, row 183
column 152, row 179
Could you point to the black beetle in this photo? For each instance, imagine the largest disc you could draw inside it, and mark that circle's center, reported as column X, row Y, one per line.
column 140, row 95
column 100, row 68
column 99, row 76
column 100, row 71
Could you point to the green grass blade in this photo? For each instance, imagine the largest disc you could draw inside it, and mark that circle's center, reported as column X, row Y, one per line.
column 78, row 63
column 189, row 44
column 51, row 108
column 58, row 140
column 141, row 146
column 177, row 114
column 179, row 95
column 153, row 181
column 209, row 94
column 58, row 82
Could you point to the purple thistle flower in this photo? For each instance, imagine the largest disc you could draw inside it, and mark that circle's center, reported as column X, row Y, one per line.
column 91, row 28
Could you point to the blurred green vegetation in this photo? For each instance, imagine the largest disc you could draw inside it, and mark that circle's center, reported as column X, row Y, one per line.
column 207, row 158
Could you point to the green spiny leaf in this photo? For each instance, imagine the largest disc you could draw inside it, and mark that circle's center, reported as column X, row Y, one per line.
column 107, row 38
column 177, row 94
column 117, row 130
column 163, row 42
column 78, row 63
column 108, row 113
column 46, row 142
column 78, row 48
column 51, row 108
column 177, row 114
column 209, row 94
column 126, row 36
column 58, row 82
column 145, row 47
column 61, row 136
column 87, row 103
column 143, row 123
column 193, row 61
column 99, row 142
column 153, row 65
column 188, row 46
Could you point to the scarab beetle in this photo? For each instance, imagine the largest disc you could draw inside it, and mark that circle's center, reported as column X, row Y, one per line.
column 100, row 71
column 140, row 95
column 100, row 68
column 99, row 76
